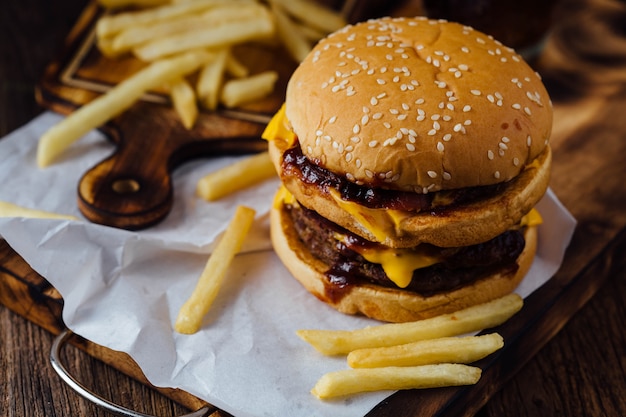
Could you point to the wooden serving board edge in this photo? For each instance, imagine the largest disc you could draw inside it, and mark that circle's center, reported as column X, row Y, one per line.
column 29, row 295
column 545, row 312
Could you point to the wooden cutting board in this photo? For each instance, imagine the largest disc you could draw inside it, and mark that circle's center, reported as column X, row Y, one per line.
column 580, row 90
column 132, row 188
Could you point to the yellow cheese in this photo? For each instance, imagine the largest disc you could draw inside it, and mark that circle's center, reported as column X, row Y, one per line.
column 532, row 218
column 398, row 264
column 278, row 129
column 379, row 222
column 283, row 196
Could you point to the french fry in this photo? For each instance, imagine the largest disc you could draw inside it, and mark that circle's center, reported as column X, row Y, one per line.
column 109, row 25
column 199, row 303
column 235, row 177
column 471, row 319
column 294, row 40
column 220, row 36
column 243, row 90
column 426, row 352
column 352, row 381
column 210, row 80
column 13, row 210
column 313, row 14
column 115, row 101
column 310, row 33
column 135, row 36
column 184, row 101
column 235, row 68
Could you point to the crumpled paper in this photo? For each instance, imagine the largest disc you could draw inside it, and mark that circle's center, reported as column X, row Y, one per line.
column 123, row 289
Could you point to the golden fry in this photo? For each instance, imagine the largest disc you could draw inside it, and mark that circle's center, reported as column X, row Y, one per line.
column 109, row 25
column 313, row 14
column 294, row 40
column 13, row 210
column 210, row 80
column 184, row 100
column 471, row 319
column 220, row 36
column 426, row 352
column 115, row 101
column 352, row 381
column 197, row 306
column 243, row 90
column 135, row 36
column 235, row 68
column 235, row 177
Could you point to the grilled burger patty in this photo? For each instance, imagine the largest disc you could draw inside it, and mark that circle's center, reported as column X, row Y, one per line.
column 459, row 266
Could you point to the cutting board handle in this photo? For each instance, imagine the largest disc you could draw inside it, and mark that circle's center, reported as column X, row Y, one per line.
column 132, row 189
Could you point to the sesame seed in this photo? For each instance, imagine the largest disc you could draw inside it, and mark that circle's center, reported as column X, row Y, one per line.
column 402, row 117
column 373, row 101
column 467, row 108
column 463, row 67
column 319, row 132
column 490, row 154
column 405, row 106
column 393, row 111
column 432, row 132
column 332, row 119
column 410, row 147
column 440, row 147
column 365, row 119
column 505, row 139
column 516, row 161
column 436, row 125
column 419, row 101
column 475, row 92
column 446, row 176
column 496, row 174
column 503, row 146
column 380, row 81
column 447, row 137
column 529, row 140
column 356, row 129
column 377, row 116
column 435, row 117
column 432, row 174
column 527, row 111
column 465, row 49
column 373, row 144
column 387, row 125
column 458, row 127
column 516, row 106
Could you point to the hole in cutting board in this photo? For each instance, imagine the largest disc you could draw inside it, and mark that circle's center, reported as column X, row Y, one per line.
column 125, row 186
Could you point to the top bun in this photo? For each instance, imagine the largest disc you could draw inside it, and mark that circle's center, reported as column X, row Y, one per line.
column 418, row 105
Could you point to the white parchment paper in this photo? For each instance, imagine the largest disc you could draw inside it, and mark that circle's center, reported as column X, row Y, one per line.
column 123, row 289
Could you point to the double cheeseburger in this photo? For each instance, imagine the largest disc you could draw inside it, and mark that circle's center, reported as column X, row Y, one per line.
column 411, row 154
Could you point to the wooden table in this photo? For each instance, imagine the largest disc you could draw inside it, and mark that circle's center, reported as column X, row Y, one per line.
column 579, row 368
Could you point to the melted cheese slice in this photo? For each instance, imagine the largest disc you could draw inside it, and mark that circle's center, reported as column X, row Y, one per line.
column 398, row 264
column 379, row 222
column 278, row 129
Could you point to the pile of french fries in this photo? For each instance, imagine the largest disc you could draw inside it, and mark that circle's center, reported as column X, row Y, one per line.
column 187, row 46
column 424, row 354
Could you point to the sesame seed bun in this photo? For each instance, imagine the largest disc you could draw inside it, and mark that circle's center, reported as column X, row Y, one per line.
column 418, row 105
column 383, row 303
column 444, row 123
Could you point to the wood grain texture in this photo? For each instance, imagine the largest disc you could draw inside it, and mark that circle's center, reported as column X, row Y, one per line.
column 578, row 364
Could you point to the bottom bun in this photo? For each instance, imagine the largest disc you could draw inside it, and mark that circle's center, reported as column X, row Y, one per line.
column 382, row 303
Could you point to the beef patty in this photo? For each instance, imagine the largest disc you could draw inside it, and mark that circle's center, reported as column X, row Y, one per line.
column 458, row 266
